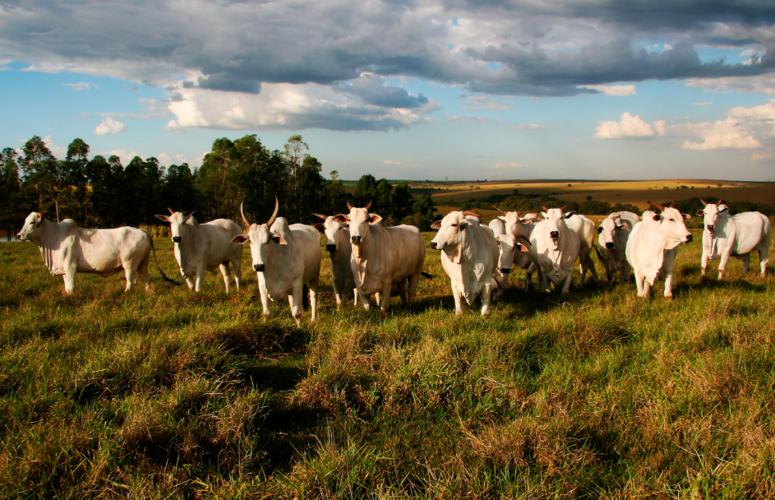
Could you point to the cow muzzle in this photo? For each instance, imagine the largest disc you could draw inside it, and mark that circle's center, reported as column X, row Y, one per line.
column 711, row 227
column 331, row 248
column 434, row 245
column 259, row 268
column 689, row 238
column 610, row 245
column 554, row 235
column 505, row 270
column 356, row 240
column 176, row 239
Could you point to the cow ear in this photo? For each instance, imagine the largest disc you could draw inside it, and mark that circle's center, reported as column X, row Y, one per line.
column 374, row 218
column 687, row 216
column 502, row 218
column 165, row 218
column 341, row 218
column 38, row 219
column 240, row 239
column 724, row 210
column 279, row 239
column 543, row 214
column 700, row 213
column 463, row 225
column 600, row 230
column 320, row 227
column 436, row 225
column 570, row 214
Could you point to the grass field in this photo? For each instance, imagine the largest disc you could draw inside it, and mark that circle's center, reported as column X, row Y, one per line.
column 634, row 192
column 591, row 395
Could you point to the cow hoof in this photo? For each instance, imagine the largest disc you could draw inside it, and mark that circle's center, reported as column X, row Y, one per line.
column 458, row 313
column 668, row 297
column 384, row 312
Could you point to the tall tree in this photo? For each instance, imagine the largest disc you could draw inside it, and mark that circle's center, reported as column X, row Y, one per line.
column 11, row 212
column 294, row 154
column 403, row 201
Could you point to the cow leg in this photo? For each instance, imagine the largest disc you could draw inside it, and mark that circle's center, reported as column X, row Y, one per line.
column 545, row 281
column 401, row 288
column 458, row 295
column 593, row 269
column 266, row 308
column 295, row 301
column 722, row 265
column 142, row 271
column 131, row 278
column 385, row 298
column 313, row 296
column 583, row 271
column 355, row 297
column 704, row 261
column 364, row 300
column 763, row 251
column 746, row 262
column 190, row 282
column 639, row 282
column 69, row 280
column 236, row 265
column 487, row 297
column 669, row 284
column 224, row 267
column 567, row 283
column 414, row 280
column 338, row 294
column 624, row 276
column 529, row 276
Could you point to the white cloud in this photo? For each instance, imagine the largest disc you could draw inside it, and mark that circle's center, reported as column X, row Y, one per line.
column 109, row 126
column 723, row 134
column 526, row 126
column 485, row 102
column 125, row 155
column 57, row 151
column 743, row 128
column 764, row 84
column 392, row 162
column 512, row 164
column 629, row 127
column 706, row 103
column 660, row 128
column 80, row 86
column 164, row 158
column 613, row 90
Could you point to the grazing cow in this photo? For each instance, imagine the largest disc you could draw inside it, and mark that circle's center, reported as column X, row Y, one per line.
column 383, row 257
column 68, row 249
column 613, row 234
column 511, row 251
column 653, row 245
column 340, row 253
column 469, row 255
column 736, row 236
column 285, row 259
column 555, row 248
column 203, row 247
column 585, row 230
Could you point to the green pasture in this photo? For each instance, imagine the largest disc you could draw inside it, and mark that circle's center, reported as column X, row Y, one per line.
column 595, row 394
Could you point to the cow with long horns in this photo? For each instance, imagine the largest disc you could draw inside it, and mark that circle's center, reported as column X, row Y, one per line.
column 285, row 258
column 555, row 248
column 339, row 253
column 653, row 246
column 383, row 258
column 203, row 247
column 736, row 236
column 68, row 249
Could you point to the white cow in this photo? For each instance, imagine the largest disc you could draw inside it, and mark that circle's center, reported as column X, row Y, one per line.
column 555, row 248
column 469, row 255
column 339, row 252
column 653, row 245
column 68, row 249
column 383, row 257
column 512, row 250
column 520, row 227
column 585, row 230
column 203, row 247
column 736, row 236
column 285, row 259
column 613, row 234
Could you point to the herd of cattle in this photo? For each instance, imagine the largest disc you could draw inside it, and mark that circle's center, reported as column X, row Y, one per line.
column 372, row 260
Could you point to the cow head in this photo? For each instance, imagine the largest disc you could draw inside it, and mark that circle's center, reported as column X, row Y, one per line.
column 513, row 222
column 333, row 229
column 507, row 248
column 359, row 219
column 555, row 220
column 673, row 227
column 177, row 221
column 30, row 228
column 711, row 213
column 261, row 237
column 451, row 234
column 609, row 229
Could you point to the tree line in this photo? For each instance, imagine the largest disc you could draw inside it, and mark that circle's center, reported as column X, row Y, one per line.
column 102, row 192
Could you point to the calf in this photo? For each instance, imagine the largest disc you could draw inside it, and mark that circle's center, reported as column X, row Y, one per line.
column 469, row 255
column 511, row 251
column 613, row 234
column 203, row 247
column 653, row 245
column 339, row 252
column 285, row 259
column 736, row 236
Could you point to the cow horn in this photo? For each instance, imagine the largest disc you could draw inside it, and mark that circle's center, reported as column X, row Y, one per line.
column 703, row 201
column 660, row 207
column 244, row 219
column 274, row 214
column 545, row 209
column 171, row 211
column 349, row 205
column 563, row 207
column 719, row 201
column 368, row 206
column 324, row 217
column 499, row 210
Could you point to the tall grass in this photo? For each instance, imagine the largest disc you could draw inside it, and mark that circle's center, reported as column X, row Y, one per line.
column 591, row 395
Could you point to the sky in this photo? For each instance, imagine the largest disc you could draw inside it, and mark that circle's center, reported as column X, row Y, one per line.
column 401, row 89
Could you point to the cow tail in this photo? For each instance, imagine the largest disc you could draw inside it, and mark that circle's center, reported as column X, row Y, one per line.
column 598, row 254
column 164, row 276
column 429, row 276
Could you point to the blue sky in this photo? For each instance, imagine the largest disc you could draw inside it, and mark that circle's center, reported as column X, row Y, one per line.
column 420, row 90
